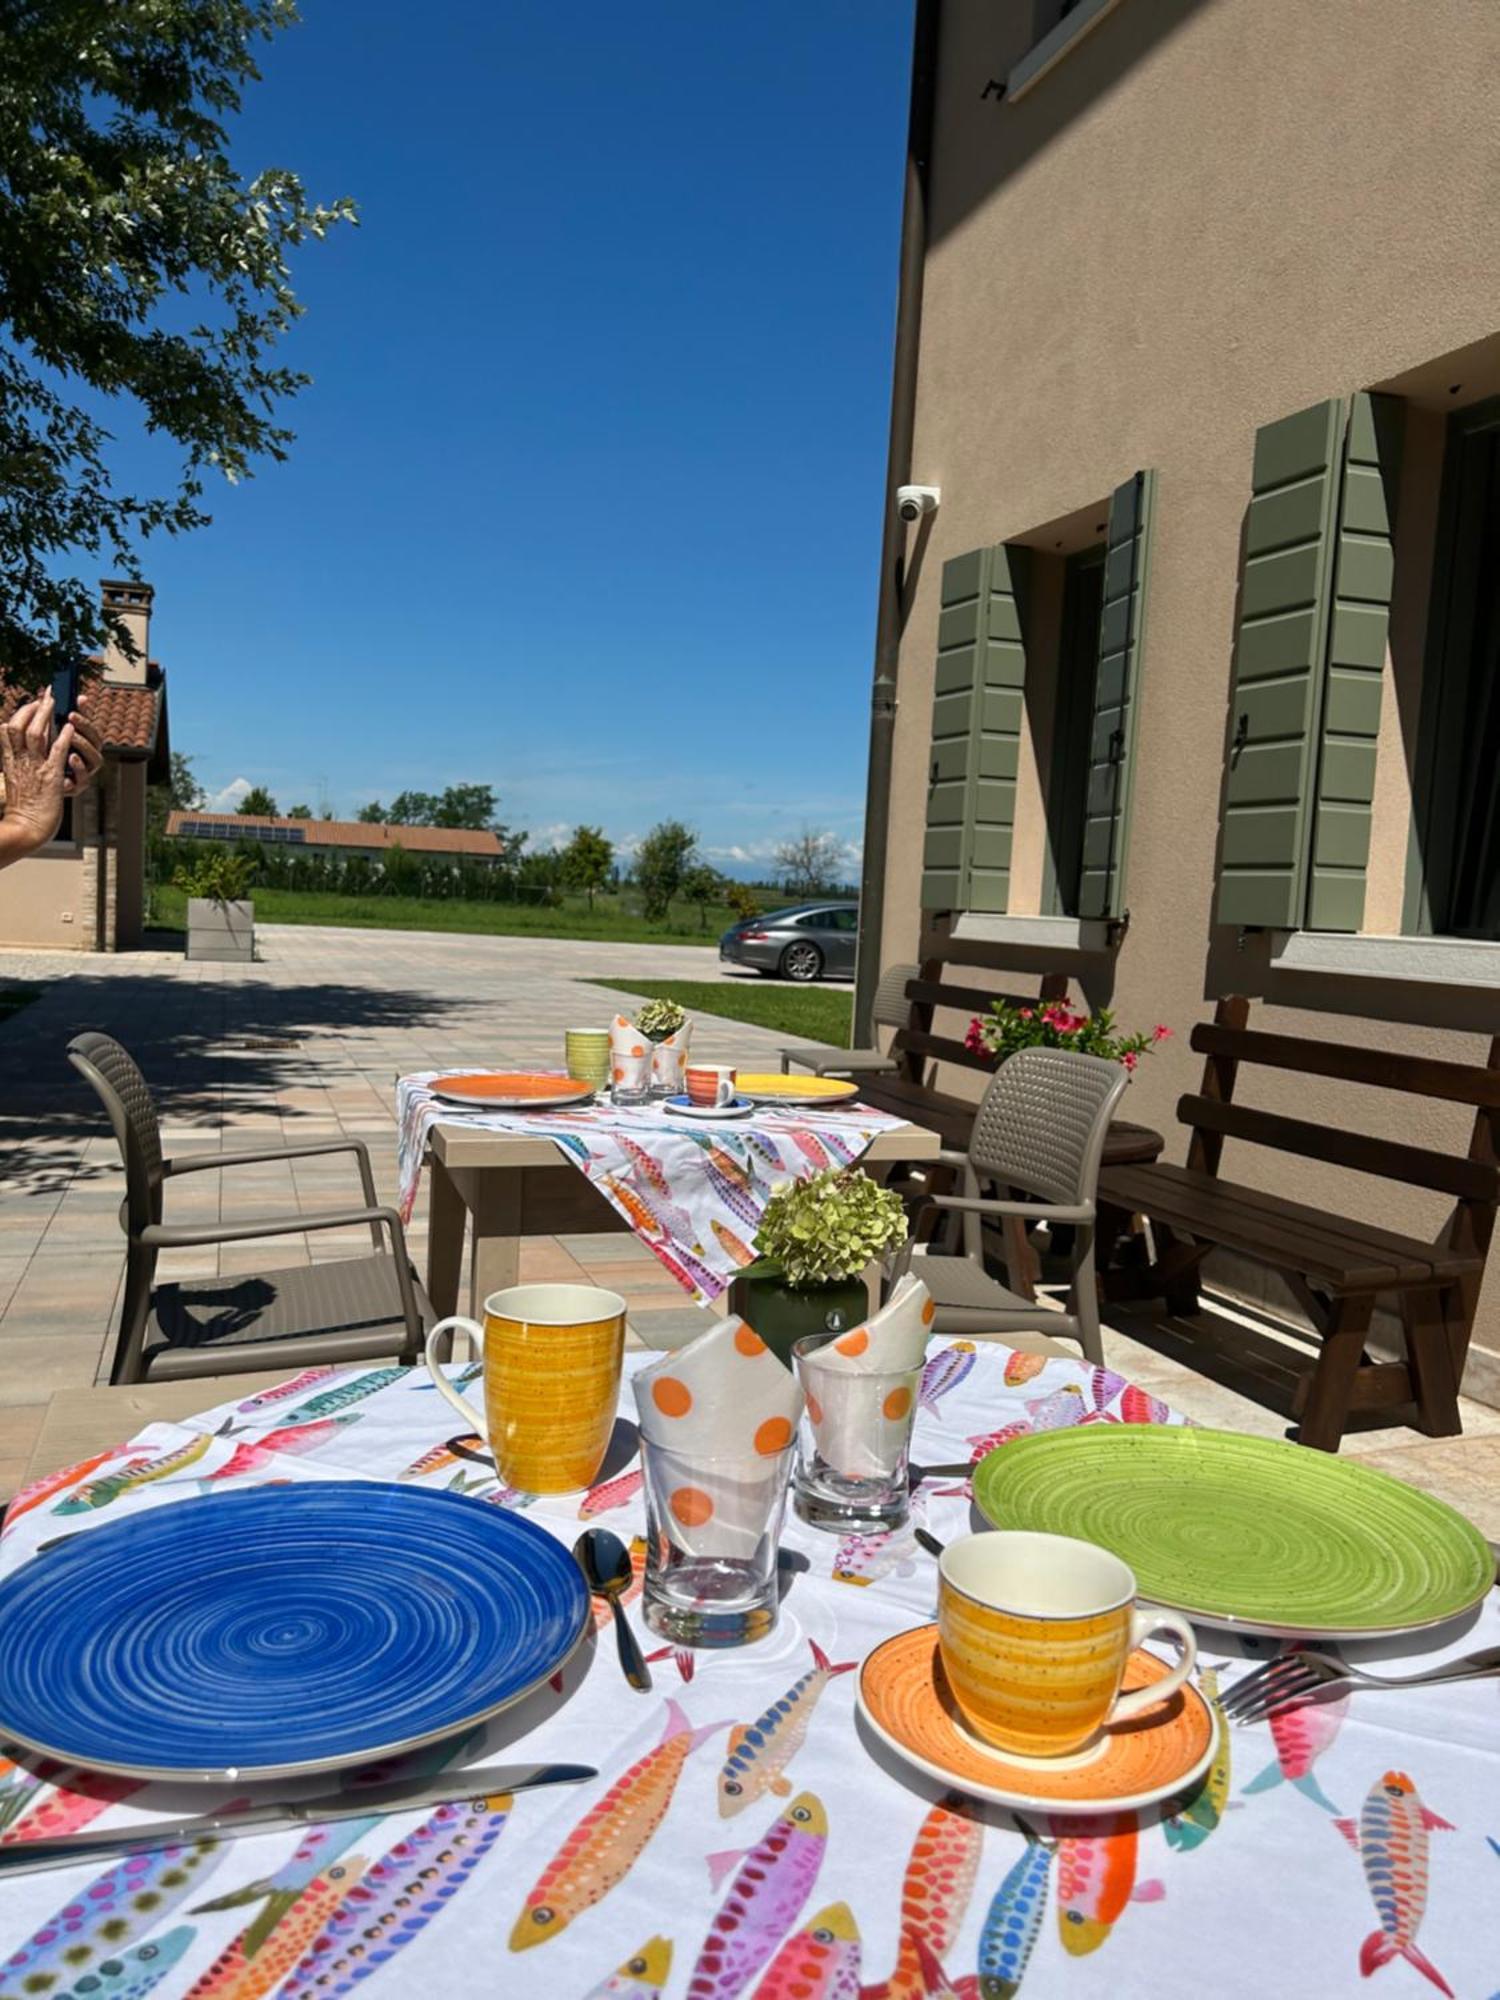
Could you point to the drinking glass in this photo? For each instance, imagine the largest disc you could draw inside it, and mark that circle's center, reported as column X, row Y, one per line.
column 713, row 1532
column 630, row 1076
column 854, row 1440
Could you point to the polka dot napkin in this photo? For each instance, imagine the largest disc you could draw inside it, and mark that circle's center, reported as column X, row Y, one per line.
column 718, row 1414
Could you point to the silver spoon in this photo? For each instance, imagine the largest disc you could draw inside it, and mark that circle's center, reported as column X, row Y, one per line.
column 605, row 1562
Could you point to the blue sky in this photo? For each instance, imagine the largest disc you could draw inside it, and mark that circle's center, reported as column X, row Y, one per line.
column 585, row 500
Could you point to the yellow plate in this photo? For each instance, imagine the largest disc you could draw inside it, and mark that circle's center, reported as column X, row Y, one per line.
column 772, row 1089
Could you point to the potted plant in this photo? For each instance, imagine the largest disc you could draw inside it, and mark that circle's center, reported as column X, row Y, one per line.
column 815, row 1240
column 1054, row 1025
column 221, row 917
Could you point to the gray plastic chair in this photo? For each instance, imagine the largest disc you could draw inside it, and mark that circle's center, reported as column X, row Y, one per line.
column 1041, row 1128
column 891, row 1009
column 362, row 1309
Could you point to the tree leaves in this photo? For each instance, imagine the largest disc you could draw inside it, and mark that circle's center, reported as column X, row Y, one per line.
column 118, row 204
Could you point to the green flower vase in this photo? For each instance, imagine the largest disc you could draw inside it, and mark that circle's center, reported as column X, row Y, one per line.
column 783, row 1314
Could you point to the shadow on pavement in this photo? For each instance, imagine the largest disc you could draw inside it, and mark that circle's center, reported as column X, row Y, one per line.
column 212, row 1054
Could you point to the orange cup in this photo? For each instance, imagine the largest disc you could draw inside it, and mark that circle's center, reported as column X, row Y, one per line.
column 710, row 1086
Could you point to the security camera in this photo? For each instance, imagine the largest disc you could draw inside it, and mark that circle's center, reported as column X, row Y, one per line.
column 912, row 502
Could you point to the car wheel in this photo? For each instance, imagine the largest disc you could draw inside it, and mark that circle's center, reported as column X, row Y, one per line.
column 802, row 962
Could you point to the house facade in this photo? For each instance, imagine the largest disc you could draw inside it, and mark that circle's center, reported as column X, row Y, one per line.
column 86, row 891
column 1190, row 685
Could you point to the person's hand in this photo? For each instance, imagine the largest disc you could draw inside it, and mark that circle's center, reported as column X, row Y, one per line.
column 87, row 755
column 37, row 776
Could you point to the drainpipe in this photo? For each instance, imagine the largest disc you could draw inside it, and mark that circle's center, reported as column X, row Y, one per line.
column 893, row 539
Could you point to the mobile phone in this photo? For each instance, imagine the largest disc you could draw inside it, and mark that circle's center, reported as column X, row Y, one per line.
column 65, row 689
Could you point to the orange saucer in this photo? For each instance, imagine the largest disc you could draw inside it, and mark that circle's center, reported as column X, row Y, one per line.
column 903, row 1695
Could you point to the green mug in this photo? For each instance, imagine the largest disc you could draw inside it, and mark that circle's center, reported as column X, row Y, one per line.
column 586, row 1055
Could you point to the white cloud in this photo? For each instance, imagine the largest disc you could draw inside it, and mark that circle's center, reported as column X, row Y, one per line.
column 228, row 800
column 549, row 839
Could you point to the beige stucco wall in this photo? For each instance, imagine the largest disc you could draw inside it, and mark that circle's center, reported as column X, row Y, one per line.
column 1207, row 216
column 52, row 899
column 43, row 901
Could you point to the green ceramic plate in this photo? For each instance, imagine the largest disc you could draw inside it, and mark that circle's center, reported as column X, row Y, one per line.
column 1246, row 1531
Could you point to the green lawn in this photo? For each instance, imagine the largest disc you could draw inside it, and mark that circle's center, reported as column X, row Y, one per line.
column 607, row 921
column 810, row 1013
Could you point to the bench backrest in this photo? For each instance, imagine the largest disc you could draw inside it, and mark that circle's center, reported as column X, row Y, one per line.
column 1472, row 1179
column 916, row 1045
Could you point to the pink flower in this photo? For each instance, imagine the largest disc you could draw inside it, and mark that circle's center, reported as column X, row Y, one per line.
column 974, row 1039
column 1027, row 1012
column 1160, row 1033
column 1130, row 1059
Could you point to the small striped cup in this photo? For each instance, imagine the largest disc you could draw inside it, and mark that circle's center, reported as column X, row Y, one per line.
column 1034, row 1632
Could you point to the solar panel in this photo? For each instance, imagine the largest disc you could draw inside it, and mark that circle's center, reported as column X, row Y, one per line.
column 218, row 829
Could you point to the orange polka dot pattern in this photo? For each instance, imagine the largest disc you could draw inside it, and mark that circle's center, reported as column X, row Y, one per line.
column 671, row 1397
column 725, row 1395
column 691, row 1506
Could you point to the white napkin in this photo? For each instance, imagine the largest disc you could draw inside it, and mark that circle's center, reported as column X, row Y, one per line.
column 640, row 1059
column 866, row 1385
column 723, row 1397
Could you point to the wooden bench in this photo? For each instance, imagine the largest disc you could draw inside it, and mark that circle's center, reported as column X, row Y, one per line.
column 1337, row 1268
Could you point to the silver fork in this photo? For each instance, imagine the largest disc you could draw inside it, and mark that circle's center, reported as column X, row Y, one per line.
column 1313, row 1676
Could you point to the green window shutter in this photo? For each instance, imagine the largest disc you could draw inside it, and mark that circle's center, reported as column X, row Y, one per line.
column 976, row 732
column 1122, row 624
column 1314, row 602
column 1363, row 571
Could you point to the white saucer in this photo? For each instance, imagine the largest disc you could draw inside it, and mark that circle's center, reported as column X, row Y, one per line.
column 713, row 1114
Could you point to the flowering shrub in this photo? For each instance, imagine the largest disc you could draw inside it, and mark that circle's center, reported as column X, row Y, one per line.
column 659, row 1018
column 1054, row 1025
column 830, row 1226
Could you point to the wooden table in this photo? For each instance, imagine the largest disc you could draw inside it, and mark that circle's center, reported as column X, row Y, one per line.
column 80, row 1422
column 510, row 1186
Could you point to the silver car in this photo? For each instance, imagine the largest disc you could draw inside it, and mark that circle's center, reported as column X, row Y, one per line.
column 808, row 941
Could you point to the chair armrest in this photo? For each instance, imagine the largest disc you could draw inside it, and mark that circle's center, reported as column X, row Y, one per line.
column 163, row 1236
column 1033, row 1211
column 255, row 1155
column 201, row 1163
column 946, row 1156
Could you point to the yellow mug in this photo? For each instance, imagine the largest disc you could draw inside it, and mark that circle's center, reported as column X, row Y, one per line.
column 1034, row 1632
column 552, row 1356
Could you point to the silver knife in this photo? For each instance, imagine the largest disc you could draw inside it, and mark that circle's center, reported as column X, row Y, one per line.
column 22, row 1857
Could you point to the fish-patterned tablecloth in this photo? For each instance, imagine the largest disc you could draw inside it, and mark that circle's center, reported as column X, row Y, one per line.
column 742, row 1838
column 693, row 1192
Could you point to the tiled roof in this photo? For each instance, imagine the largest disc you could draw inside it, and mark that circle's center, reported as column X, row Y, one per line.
column 128, row 718
column 349, row 833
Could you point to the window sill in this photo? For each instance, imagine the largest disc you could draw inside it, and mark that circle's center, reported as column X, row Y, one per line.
column 1041, row 933
column 1442, row 961
column 1054, row 45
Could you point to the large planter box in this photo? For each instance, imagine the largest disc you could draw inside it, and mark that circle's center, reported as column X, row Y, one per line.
column 224, row 931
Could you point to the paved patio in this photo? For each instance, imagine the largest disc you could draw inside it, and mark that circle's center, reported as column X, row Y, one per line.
column 307, row 1044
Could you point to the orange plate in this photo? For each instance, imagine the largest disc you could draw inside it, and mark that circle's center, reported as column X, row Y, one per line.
column 509, row 1090
column 904, row 1697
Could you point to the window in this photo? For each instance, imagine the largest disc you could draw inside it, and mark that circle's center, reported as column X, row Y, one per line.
column 1458, row 808
column 1057, row 27
column 1078, row 666
column 1072, row 727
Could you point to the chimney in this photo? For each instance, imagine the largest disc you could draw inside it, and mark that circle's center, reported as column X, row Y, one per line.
column 130, row 605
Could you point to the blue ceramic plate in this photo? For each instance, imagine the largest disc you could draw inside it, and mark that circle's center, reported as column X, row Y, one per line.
column 285, row 1629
